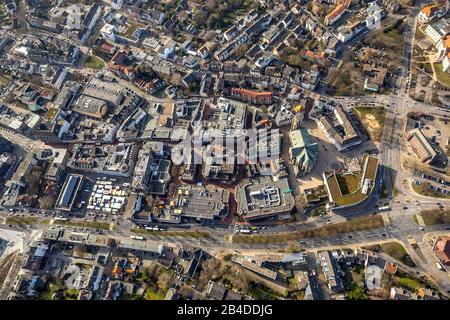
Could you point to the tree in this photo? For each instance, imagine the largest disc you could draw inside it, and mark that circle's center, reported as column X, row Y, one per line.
column 33, row 180
column 357, row 293
column 199, row 19
column 294, row 248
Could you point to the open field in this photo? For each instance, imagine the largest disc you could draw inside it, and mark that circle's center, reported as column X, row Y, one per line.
column 84, row 224
column 357, row 224
column 93, row 62
column 442, row 76
column 372, row 119
column 197, row 234
column 431, row 217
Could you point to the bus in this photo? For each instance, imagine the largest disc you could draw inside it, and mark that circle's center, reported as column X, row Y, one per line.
column 137, row 237
column 439, row 266
column 385, row 208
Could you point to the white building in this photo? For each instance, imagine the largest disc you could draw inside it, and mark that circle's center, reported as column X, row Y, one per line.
column 108, row 32
column 437, row 30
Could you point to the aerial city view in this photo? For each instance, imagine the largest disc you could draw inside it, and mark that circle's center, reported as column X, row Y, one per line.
column 233, row 150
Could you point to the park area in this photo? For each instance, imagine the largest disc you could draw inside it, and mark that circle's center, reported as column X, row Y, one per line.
column 346, row 80
column 92, row 62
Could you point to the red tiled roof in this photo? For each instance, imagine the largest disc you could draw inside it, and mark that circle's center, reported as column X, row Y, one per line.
column 429, row 10
column 442, row 249
column 251, row 93
column 338, row 10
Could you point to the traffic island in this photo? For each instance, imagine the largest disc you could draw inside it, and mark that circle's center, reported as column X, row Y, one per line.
column 83, row 224
column 196, row 234
column 356, row 224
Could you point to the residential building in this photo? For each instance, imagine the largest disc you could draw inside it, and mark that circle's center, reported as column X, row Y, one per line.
column 427, row 13
column 437, row 30
column 442, row 250
column 330, row 270
column 337, row 126
column 338, row 11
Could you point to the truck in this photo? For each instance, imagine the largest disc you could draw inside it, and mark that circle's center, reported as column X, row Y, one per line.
column 246, row 231
column 137, row 237
column 439, row 266
column 385, row 208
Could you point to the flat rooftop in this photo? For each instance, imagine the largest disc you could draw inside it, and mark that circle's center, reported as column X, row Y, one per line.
column 263, row 198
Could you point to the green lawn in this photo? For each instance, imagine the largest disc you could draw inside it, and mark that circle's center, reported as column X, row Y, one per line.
column 349, row 183
column 21, row 220
column 409, row 283
column 443, row 77
column 93, row 62
column 51, row 114
column 84, row 224
column 432, row 217
column 150, row 294
column 425, row 191
column 356, row 224
column 317, row 211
